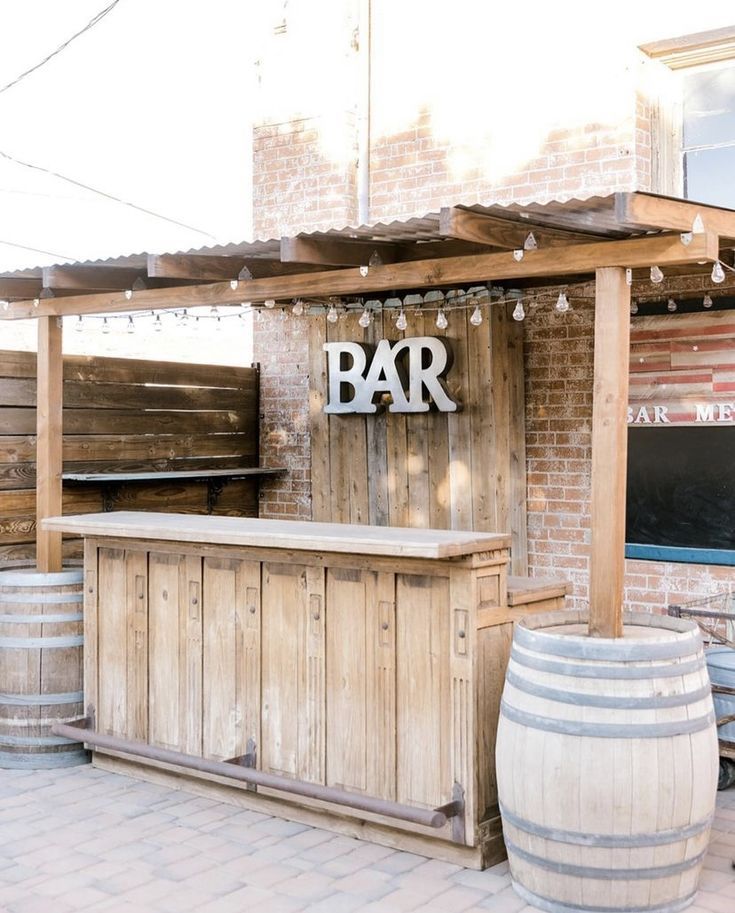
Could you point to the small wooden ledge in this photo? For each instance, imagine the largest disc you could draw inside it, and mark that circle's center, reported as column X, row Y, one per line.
column 525, row 590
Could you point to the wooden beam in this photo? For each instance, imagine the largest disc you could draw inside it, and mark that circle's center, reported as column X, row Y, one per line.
column 335, row 251
column 194, row 266
column 609, row 452
column 649, row 212
column 575, row 259
column 90, row 278
column 19, row 288
column 486, row 229
column 48, row 441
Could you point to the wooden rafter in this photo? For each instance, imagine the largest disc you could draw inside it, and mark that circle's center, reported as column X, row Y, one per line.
column 645, row 211
column 336, row 251
column 19, row 288
column 466, row 225
column 91, row 278
column 579, row 259
column 202, row 268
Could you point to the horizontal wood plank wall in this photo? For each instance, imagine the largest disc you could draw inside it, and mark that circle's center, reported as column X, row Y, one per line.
column 434, row 470
column 127, row 415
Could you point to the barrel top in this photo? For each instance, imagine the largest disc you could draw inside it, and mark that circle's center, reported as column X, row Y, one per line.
column 30, row 577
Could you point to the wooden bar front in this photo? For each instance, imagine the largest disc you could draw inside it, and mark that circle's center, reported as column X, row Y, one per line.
column 365, row 658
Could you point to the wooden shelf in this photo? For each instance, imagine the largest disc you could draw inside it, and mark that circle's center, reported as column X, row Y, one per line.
column 162, row 475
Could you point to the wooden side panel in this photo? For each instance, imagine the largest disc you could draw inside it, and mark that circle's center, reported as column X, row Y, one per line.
column 175, row 652
column 91, row 628
column 321, row 485
column 517, row 431
column 423, row 711
column 293, row 673
column 463, row 634
column 231, row 671
column 360, row 687
column 122, row 626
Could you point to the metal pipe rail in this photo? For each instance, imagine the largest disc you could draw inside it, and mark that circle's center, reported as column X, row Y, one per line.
column 79, row 730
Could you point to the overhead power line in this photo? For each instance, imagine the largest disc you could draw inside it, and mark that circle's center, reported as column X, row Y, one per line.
column 92, row 22
column 36, row 250
column 102, row 193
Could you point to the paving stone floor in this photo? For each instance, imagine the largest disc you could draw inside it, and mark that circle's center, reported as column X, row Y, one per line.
column 84, row 839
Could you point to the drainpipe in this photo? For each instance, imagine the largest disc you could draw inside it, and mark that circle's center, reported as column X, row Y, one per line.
column 363, row 112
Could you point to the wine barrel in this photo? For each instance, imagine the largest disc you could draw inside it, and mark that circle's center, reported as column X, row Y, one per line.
column 40, row 666
column 607, row 764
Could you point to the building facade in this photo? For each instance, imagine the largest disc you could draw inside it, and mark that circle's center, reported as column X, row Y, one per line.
column 400, row 109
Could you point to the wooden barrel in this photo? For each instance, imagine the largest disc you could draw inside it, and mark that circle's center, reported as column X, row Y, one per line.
column 607, row 764
column 40, row 666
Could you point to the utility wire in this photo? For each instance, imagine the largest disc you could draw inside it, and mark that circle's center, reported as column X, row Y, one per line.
column 102, row 193
column 92, row 22
column 36, row 250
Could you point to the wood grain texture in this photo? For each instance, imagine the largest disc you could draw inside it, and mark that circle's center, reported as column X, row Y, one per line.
column 609, row 450
column 49, row 426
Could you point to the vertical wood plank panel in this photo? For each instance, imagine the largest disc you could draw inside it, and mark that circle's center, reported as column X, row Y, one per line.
column 397, row 446
column 500, row 369
column 113, row 640
column 164, row 618
column 311, row 709
column 319, row 422
column 609, row 451
column 91, row 628
column 517, row 424
column 417, row 446
column 137, row 646
column 190, row 654
column 462, row 646
column 423, row 762
column 460, row 444
column 483, row 422
column 376, row 428
column 49, row 399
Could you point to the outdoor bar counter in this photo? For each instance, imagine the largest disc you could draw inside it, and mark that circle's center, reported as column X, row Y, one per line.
column 350, row 675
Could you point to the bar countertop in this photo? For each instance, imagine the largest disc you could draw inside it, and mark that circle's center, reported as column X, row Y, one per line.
column 303, row 535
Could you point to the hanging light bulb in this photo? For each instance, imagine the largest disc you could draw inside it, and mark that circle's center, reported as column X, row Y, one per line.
column 218, row 325
column 718, row 273
column 518, row 311
column 375, row 259
column 671, row 305
column 633, row 307
column 184, row 318
column 258, row 315
column 298, row 308
column 530, row 243
column 80, row 325
column 214, row 311
column 157, row 325
column 518, row 254
column 284, row 315
column 128, row 293
column 562, row 303
column 105, row 326
column 365, row 319
column 36, row 302
column 401, row 322
column 476, row 317
column 234, row 284
column 364, row 270
column 656, row 275
column 269, row 303
column 332, row 315
column 707, row 302
column 441, row 320
column 130, row 329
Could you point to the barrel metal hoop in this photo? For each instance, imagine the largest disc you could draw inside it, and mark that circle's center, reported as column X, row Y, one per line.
column 555, row 906
column 608, row 841
column 573, row 647
column 579, row 670
column 604, row 874
column 607, row 730
column 39, row 700
column 35, row 740
column 39, row 598
column 36, row 578
column 41, row 643
column 581, row 699
column 41, row 619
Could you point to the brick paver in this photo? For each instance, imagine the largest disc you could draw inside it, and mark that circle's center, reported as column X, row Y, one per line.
column 85, row 840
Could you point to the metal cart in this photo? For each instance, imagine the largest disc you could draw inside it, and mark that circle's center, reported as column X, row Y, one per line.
column 715, row 616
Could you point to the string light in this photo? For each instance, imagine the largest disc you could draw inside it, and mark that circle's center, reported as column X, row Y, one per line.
column 157, row 325
column 562, row 303
column 718, row 273
column 519, row 311
column 518, row 255
column 332, row 315
column 375, row 259
column 365, row 319
column 441, row 320
column 530, row 243
column 80, row 325
column 131, row 326
column 633, row 307
column 707, row 302
column 128, row 293
column 234, row 284
column 298, row 308
column 184, row 318
column 476, row 318
column 105, row 326
column 671, row 305
column 214, row 311
column 401, row 321
column 284, row 315
column 269, row 303
column 656, row 275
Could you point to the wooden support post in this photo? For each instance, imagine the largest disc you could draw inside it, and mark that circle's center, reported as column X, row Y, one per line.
column 49, row 401
column 609, row 451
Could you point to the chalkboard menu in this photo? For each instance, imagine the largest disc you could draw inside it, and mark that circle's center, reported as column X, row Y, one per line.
column 681, row 487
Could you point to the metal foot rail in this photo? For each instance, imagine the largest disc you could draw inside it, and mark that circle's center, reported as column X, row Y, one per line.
column 79, row 730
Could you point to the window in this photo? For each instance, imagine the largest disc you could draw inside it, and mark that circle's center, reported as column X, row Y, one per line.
column 708, row 134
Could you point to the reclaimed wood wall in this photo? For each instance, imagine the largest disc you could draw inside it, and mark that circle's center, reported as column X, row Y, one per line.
column 679, row 361
column 463, row 470
column 127, row 415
